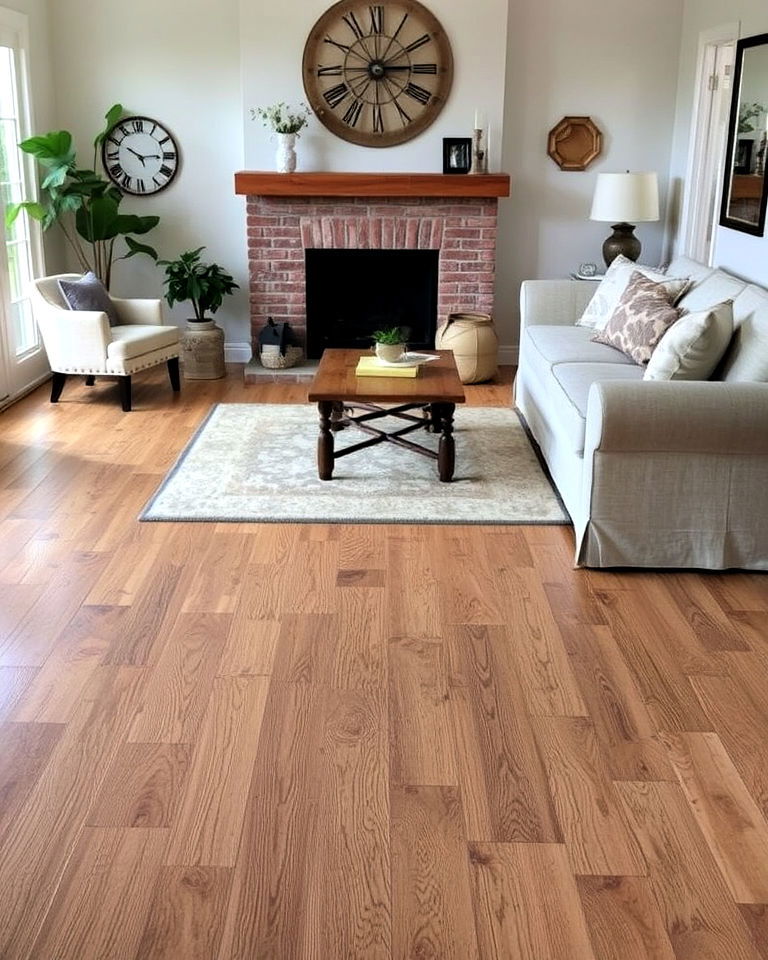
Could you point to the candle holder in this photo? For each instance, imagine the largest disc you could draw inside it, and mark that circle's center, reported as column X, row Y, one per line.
column 479, row 152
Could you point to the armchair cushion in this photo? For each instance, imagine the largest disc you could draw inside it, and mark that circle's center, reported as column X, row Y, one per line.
column 133, row 340
column 88, row 293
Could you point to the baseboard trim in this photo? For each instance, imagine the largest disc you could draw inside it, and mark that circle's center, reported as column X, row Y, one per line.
column 237, row 352
column 509, row 355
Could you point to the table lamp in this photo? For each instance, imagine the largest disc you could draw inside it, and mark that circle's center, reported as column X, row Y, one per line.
column 624, row 199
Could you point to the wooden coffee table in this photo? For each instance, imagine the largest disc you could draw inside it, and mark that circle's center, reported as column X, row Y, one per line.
column 338, row 393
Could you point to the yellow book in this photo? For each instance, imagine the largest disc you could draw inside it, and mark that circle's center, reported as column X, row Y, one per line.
column 373, row 367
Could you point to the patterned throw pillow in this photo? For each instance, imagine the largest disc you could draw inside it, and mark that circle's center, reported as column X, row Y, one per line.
column 641, row 319
column 89, row 293
column 603, row 304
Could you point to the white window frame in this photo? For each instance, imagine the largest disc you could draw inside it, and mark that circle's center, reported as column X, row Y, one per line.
column 19, row 373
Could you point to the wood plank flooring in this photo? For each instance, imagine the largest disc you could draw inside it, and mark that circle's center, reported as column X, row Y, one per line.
column 328, row 742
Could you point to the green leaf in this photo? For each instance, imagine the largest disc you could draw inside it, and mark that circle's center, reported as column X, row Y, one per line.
column 51, row 149
column 111, row 116
column 35, row 210
column 130, row 223
column 135, row 247
column 98, row 221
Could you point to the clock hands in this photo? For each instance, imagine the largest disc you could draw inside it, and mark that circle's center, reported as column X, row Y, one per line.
column 143, row 157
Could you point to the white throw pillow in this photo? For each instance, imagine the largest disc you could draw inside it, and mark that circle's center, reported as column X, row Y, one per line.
column 603, row 304
column 693, row 346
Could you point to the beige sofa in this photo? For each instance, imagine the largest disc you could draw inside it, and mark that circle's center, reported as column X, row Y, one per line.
column 653, row 473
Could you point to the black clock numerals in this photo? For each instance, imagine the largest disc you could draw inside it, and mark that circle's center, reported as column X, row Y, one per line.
column 351, row 21
column 424, row 68
column 138, row 125
column 169, row 155
column 165, row 171
column 353, row 112
column 377, row 19
column 378, row 119
column 140, row 186
column 419, row 42
column 334, row 95
column 342, row 46
column 116, row 171
column 404, row 116
column 418, row 93
column 334, row 71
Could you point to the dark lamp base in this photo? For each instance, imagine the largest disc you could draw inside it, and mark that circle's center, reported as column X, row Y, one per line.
column 623, row 241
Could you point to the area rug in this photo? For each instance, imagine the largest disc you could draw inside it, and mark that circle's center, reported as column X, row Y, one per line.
column 257, row 463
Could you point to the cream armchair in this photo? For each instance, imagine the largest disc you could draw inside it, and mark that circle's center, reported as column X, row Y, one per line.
column 82, row 342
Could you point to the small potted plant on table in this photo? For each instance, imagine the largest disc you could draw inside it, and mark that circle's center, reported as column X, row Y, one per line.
column 390, row 344
column 204, row 285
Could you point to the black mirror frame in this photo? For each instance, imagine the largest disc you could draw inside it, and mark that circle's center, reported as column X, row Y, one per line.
column 758, row 229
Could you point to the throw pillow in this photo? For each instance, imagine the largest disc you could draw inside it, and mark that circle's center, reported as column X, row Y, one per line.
column 691, row 348
column 89, row 293
column 603, row 304
column 641, row 319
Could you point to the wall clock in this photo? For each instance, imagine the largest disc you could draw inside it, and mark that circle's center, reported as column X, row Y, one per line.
column 140, row 156
column 377, row 74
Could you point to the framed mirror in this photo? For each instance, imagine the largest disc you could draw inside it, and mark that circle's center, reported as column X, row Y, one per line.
column 745, row 188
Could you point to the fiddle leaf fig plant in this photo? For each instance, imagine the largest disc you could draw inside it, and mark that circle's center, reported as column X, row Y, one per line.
column 204, row 285
column 82, row 203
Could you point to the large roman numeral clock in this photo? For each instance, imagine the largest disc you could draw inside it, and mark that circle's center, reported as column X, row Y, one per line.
column 377, row 74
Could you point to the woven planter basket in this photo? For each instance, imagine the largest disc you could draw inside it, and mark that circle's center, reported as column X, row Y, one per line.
column 272, row 359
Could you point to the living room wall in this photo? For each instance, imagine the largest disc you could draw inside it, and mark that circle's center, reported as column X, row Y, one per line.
column 614, row 62
column 177, row 61
column 741, row 253
column 199, row 66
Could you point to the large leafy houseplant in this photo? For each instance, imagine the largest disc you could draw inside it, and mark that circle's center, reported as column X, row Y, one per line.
column 82, row 203
column 204, row 285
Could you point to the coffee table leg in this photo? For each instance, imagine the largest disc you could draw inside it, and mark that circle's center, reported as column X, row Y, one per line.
column 325, row 441
column 446, row 451
column 337, row 416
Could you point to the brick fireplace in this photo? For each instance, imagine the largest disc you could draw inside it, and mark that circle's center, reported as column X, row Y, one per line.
column 288, row 214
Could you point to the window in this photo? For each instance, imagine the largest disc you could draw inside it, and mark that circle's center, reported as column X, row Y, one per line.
column 24, row 356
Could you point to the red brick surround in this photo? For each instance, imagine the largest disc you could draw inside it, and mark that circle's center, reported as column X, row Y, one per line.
column 281, row 228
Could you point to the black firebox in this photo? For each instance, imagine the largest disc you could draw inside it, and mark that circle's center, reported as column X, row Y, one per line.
column 351, row 293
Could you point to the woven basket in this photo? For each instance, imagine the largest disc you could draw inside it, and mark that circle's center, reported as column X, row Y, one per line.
column 272, row 359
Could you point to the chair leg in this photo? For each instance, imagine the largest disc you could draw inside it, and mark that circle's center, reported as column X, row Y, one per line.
column 90, row 380
column 173, row 373
column 57, row 385
column 125, row 392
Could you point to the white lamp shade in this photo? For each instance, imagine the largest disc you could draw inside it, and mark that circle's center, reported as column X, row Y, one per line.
column 626, row 197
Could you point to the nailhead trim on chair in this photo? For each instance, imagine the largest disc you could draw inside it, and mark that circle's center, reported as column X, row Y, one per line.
column 157, row 357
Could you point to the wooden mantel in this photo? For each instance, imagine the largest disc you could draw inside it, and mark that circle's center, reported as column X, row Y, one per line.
column 266, row 184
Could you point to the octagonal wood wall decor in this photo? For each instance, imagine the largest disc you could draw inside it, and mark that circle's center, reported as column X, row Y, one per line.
column 574, row 143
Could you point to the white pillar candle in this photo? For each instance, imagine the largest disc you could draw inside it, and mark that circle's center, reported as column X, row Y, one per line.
column 479, row 119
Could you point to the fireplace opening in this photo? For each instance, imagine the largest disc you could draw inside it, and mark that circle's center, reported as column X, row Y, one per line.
column 351, row 293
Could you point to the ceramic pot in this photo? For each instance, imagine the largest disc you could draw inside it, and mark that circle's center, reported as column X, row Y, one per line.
column 475, row 345
column 285, row 157
column 390, row 352
column 202, row 351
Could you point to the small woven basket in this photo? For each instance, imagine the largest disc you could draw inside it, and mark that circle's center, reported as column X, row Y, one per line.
column 272, row 359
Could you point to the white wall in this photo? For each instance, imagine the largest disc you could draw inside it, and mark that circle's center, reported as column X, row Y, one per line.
column 616, row 62
column 742, row 254
column 273, row 37
column 178, row 61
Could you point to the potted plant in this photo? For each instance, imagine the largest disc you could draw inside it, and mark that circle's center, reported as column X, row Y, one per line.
column 204, row 285
column 82, row 203
column 286, row 124
column 390, row 344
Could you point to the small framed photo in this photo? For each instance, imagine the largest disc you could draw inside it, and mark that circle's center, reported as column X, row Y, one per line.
column 457, row 154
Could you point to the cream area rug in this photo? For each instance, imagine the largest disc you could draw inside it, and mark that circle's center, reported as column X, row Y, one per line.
column 257, row 462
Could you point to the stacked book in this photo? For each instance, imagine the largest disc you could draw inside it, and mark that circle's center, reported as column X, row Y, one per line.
column 371, row 366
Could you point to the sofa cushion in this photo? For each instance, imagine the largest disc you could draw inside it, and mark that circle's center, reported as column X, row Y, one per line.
column 558, row 344
column 133, row 340
column 714, row 289
column 603, row 304
column 88, row 293
column 685, row 267
column 747, row 355
column 574, row 381
column 641, row 319
column 693, row 346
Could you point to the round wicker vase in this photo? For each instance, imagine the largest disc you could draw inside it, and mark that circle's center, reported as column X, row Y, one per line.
column 202, row 351
column 475, row 345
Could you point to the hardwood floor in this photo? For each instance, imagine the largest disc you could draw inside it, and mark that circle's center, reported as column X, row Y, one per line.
column 334, row 742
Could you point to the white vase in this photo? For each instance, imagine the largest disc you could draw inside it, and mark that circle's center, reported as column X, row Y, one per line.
column 286, row 152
